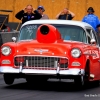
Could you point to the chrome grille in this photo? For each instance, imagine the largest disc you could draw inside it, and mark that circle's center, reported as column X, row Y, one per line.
column 40, row 62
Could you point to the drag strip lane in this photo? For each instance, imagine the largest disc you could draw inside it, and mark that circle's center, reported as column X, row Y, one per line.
column 51, row 90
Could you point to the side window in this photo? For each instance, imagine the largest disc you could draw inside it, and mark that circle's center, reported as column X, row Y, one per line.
column 94, row 36
column 89, row 35
column 89, row 32
column 89, row 39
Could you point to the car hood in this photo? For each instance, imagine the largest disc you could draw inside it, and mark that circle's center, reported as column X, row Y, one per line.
column 49, row 49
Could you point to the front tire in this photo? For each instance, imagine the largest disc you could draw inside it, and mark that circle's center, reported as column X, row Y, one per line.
column 79, row 81
column 83, row 80
column 8, row 79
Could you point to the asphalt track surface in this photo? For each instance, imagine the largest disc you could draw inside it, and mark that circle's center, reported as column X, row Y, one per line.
column 51, row 90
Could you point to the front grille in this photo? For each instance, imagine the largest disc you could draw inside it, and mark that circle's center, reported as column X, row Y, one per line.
column 40, row 62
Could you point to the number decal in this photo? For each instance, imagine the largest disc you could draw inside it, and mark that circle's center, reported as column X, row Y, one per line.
column 30, row 29
column 95, row 54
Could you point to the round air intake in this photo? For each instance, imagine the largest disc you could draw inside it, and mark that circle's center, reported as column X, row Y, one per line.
column 44, row 30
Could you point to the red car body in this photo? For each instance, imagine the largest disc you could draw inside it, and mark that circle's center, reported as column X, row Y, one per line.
column 50, row 56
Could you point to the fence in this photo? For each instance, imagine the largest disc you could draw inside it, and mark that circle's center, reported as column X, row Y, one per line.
column 52, row 7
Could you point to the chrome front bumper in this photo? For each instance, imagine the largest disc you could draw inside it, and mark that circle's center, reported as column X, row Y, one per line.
column 71, row 71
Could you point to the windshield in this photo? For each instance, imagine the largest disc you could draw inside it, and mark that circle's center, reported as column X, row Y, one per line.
column 68, row 32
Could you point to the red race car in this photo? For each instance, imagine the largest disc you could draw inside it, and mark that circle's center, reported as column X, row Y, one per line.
column 52, row 49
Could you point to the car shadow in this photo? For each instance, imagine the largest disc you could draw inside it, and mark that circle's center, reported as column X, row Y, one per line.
column 58, row 86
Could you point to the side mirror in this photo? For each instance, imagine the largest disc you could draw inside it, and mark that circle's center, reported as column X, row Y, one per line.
column 14, row 39
column 93, row 41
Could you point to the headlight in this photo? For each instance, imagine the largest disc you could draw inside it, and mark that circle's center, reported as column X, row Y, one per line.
column 6, row 50
column 75, row 53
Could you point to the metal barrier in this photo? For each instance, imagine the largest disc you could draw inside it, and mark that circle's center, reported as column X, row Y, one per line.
column 7, row 36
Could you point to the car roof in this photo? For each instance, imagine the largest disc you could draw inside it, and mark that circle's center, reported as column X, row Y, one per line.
column 66, row 22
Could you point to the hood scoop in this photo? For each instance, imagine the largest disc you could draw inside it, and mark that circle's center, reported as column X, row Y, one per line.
column 48, row 34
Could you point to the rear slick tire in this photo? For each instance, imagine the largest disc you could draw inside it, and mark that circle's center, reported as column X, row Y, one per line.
column 8, row 79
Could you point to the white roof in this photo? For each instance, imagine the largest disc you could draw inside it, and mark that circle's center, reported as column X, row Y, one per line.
column 66, row 22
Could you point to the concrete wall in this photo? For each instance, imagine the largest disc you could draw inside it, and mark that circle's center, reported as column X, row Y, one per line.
column 53, row 7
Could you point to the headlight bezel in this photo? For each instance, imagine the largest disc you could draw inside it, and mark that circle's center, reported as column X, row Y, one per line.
column 6, row 47
column 77, row 50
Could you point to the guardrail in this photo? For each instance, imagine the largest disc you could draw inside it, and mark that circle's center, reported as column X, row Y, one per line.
column 7, row 36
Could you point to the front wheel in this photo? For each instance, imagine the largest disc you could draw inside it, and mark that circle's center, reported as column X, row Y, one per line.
column 8, row 79
column 79, row 81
